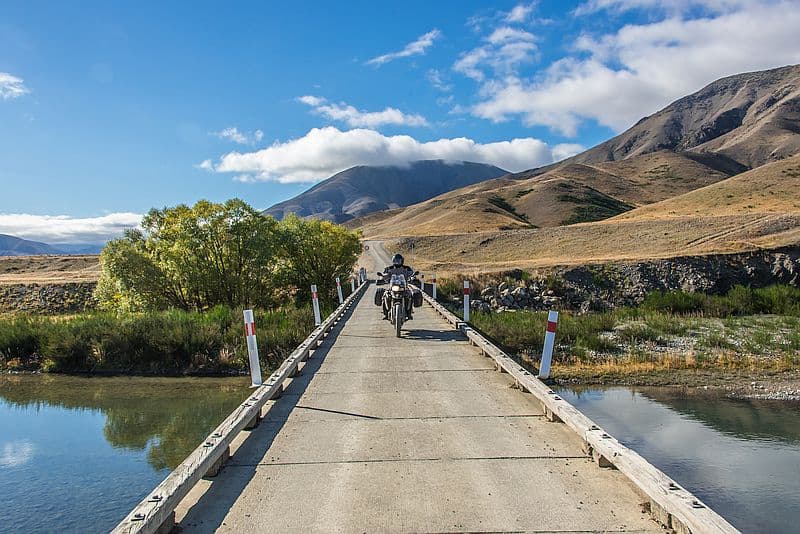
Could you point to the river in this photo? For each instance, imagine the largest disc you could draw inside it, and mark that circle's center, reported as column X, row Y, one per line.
column 741, row 457
column 76, row 454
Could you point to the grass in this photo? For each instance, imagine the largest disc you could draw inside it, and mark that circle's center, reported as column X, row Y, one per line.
column 169, row 342
column 744, row 329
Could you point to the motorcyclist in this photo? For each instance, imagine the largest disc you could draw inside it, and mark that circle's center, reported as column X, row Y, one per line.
column 398, row 266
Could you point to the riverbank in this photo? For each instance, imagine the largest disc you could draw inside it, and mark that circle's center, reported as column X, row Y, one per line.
column 166, row 343
column 745, row 343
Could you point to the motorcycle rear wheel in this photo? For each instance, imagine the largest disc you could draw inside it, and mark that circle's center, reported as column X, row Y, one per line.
column 398, row 317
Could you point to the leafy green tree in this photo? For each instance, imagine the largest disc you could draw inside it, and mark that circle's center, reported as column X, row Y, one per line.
column 193, row 258
column 316, row 252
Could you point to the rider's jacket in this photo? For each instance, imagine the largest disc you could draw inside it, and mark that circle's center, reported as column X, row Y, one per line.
column 405, row 270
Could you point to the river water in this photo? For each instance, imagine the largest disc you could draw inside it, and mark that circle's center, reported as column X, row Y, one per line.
column 76, row 454
column 741, row 457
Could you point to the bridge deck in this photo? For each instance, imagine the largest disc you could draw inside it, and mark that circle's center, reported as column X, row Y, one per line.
column 418, row 434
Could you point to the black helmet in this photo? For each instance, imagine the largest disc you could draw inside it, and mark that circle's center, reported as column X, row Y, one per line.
column 398, row 260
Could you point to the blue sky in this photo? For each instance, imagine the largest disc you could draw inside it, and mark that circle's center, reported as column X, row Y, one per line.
column 108, row 108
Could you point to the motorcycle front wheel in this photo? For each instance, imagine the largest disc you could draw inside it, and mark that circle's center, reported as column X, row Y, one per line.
column 398, row 317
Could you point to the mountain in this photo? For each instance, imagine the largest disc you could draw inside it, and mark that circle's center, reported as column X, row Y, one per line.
column 564, row 195
column 15, row 246
column 365, row 189
column 728, row 127
column 741, row 121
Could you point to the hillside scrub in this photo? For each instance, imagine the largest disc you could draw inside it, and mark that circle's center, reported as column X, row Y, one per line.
column 156, row 342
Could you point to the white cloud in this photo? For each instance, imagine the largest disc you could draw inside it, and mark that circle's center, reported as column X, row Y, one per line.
column 326, row 151
column 16, row 453
column 411, row 49
column 520, row 12
column 356, row 118
column 642, row 68
column 505, row 50
column 673, row 6
column 66, row 229
column 436, row 79
column 11, row 86
column 242, row 138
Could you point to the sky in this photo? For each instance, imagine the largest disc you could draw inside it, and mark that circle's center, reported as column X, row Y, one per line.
column 108, row 109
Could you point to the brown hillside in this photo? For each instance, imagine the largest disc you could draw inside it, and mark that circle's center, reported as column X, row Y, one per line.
column 565, row 195
column 772, row 188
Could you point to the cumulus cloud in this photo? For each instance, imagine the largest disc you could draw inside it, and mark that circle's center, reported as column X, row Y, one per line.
column 65, row 229
column 505, row 49
column 11, row 86
column 326, row 151
column 413, row 48
column 356, row 118
column 242, row 138
column 615, row 79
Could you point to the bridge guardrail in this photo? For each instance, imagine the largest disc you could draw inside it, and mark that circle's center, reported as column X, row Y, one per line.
column 670, row 504
column 157, row 509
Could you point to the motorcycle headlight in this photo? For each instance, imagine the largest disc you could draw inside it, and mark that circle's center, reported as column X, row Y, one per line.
column 395, row 288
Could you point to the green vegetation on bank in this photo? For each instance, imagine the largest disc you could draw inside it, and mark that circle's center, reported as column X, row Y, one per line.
column 171, row 295
column 743, row 328
column 158, row 342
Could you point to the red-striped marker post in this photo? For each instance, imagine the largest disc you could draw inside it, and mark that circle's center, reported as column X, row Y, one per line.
column 339, row 290
column 466, row 301
column 549, row 342
column 433, row 291
column 315, row 305
column 252, row 348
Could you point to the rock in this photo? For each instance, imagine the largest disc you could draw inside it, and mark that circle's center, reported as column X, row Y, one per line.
column 503, row 286
column 487, row 292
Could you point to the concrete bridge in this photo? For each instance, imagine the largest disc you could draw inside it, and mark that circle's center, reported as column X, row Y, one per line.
column 372, row 433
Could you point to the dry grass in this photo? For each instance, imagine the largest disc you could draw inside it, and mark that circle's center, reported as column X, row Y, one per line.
column 48, row 269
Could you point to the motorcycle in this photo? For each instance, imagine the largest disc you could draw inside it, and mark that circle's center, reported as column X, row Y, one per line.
column 397, row 298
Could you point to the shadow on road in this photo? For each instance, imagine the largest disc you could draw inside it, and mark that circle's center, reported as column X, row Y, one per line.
column 432, row 335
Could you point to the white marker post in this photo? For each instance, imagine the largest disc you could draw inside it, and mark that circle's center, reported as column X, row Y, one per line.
column 433, row 292
column 252, row 348
column 549, row 342
column 466, row 301
column 315, row 305
column 422, row 281
column 339, row 290
column 352, row 284
column 363, row 274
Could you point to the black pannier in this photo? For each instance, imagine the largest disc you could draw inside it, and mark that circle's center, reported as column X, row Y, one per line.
column 417, row 299
column 379, row 296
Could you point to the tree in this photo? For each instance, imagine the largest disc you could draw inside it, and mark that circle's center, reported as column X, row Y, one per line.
column 316, row 252
column 192, row 258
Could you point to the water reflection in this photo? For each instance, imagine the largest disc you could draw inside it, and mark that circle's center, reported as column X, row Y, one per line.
column 166, row 416
column 740, row 456
column 77, row 453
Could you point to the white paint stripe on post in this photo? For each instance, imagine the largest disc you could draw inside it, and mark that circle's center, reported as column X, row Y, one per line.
column 466, row 301
column 315, row 305
column 252, row 348
column 422, row 281
column 339, row 290
column 433, row 291
column 549, row 343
